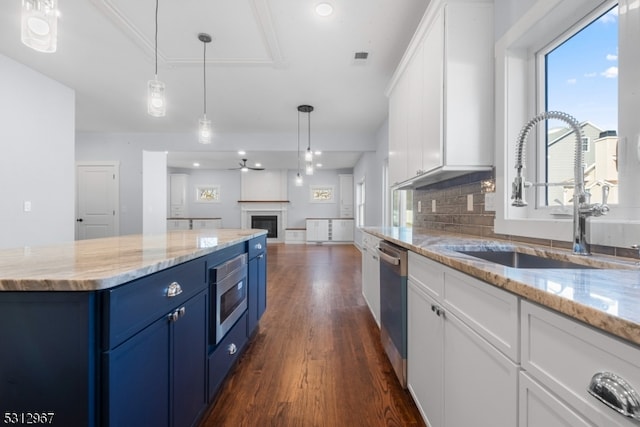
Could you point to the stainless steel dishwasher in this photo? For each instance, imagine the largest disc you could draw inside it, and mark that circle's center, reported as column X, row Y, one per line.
column 393, row 306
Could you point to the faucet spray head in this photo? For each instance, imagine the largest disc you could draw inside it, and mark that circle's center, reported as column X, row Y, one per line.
column 517, row 191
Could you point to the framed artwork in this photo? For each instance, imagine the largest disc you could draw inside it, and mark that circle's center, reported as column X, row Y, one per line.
column 322, row 194
column 207, row 193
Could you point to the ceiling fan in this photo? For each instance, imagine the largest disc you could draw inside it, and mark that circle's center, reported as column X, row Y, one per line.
column 244, row 167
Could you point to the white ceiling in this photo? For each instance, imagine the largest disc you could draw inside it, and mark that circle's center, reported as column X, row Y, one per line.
column 267, row 57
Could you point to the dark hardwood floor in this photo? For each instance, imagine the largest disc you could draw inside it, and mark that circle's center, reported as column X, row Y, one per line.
column 316, row 359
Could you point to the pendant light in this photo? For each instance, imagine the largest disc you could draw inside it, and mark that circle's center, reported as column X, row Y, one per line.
column 204, row 127
column 156, row 102
column 308, row 155
column 298, row 176
column 40, row 24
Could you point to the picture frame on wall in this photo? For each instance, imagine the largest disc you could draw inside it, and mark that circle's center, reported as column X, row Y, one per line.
column 207, row 193
column 322, row 194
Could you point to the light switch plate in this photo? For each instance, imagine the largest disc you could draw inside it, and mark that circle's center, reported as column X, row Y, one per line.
column 490, row 202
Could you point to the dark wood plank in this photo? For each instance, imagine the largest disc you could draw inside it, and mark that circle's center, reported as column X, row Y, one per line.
column 316, row 359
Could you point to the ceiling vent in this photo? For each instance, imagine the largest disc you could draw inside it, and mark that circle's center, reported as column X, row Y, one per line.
column 360, row 58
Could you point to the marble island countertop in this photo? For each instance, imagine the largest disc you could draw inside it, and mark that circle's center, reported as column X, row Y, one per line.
column 89, row 265
column 606, row 297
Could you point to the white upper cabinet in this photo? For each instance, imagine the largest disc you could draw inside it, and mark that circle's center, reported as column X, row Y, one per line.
column 441, row 96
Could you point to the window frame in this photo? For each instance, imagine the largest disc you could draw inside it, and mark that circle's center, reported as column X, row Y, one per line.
column 517, row 100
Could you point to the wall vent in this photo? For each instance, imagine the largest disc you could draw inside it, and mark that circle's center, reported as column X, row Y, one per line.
column 361, row 56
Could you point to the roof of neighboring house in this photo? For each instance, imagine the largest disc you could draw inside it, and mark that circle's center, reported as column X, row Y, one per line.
column 562, row 133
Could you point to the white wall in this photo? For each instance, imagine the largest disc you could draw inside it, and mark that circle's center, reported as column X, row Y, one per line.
column 300, row 206
column 228, row 207
column 37, row 120
column 154, row 192
column 370, row 169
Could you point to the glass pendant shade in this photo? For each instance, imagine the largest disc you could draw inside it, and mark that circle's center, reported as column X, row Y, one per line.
column 298, row 180
column 40, row 24
column 308, row 155
column 204, row 130
column 309, row 169
column 156, row 102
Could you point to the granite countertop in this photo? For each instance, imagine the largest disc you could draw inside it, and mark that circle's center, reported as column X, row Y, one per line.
column 89, row 265
column 607, row 298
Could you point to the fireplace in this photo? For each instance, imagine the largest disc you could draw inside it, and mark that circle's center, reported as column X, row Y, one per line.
column 266, row 222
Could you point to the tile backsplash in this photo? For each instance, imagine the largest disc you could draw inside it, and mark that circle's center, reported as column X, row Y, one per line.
column 460, row 208
column 459, row 205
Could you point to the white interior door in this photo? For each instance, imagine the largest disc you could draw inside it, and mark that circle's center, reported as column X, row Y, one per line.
column 97, row 195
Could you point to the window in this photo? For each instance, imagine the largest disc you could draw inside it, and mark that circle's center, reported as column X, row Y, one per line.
column 360, row 204
column 529, row 46
column 402, row 208
column 580, row 77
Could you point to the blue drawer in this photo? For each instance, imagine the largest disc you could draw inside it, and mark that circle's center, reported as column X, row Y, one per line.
column 222, row 359
column 131, row 307
column 257, row 246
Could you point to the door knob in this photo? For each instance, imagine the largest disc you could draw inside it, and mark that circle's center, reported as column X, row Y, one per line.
column 79, row 220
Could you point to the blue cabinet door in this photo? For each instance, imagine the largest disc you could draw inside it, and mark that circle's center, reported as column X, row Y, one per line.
column 137, row 379
column 252, row 296
column 189, row 362
column 47, row 362
column 262, row 283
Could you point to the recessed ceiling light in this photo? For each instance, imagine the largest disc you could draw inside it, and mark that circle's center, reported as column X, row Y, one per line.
column 318, row 165
column 196, row 164
column 242, row 152
column 318, row 153
column 324, row 9
column 258, row 165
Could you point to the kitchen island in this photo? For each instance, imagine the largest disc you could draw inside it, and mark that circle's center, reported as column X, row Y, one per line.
column 500, row 345
column 120, row 331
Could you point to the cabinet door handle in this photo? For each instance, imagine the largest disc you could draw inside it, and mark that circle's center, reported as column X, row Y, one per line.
column 182, row 311
column 173, row 316
column 232, row 349
column 174, row 289
column 260, row 256
column 437, row 310
column 616, row 393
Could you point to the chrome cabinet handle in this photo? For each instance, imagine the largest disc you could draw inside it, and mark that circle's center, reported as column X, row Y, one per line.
column 178, row 313
column 616, row 393
column 258, row 246
column 174, row 289
column 232, row 349
column 261, row 256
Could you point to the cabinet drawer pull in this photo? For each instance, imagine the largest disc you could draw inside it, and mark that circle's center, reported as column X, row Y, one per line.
column 258, row 246
column 437, row 310
column 232, row 349
column 174, row 289
column 616, row 393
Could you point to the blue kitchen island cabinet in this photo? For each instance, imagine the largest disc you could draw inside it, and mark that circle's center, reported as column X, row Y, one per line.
column 257, row 278
column 120, row 342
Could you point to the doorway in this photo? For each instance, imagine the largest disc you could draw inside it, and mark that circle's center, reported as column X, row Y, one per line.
column 97, row 200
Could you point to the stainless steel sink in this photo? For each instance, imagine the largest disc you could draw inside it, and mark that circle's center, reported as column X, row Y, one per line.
column 521, row 260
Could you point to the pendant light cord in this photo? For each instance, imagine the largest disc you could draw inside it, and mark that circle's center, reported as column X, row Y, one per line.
column 156, row 39
column 309, row 129
column 298, row 142
column 204, row 79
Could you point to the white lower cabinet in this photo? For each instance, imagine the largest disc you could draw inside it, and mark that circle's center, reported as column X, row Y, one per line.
column 541, row 408
column 480, row 382
column 425, row 354
column 371, row 274
column 455, row 374
column 562, row 355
